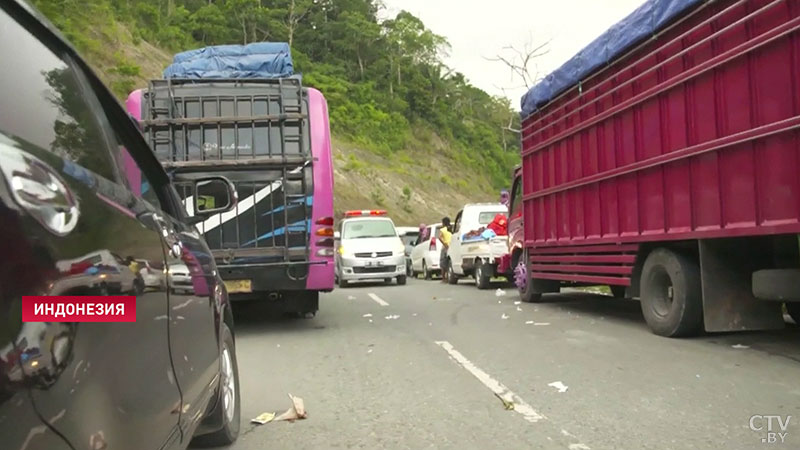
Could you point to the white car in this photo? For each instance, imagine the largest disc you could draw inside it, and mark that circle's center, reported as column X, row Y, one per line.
column 476, row 256
column 179, row 277
column 425, row 255
column 369, row 249
column 409, row 236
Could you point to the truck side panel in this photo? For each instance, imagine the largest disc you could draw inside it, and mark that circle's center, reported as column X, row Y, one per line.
column 694, row 135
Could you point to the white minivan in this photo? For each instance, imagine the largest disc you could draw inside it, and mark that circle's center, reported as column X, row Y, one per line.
column 425, row 256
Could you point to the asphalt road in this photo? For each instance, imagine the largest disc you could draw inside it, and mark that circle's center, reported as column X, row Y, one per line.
column 423, row 370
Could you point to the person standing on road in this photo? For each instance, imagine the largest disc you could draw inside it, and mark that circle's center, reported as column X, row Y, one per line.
column 445, row 234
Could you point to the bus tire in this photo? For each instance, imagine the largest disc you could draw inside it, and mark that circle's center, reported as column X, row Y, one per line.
column 672, row 297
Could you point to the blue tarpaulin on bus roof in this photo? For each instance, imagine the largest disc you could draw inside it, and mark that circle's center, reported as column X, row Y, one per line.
column 256, row 60
column 640, row 24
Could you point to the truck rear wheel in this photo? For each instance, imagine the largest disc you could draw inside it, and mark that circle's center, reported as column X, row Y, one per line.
column 523, row 282
column 483, row 275
column 672, row 298
column 793, row 308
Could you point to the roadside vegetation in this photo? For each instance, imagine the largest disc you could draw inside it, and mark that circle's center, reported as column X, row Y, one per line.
column 389, row 92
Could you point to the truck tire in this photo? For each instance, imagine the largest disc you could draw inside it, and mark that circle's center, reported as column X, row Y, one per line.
column 483, row 275
column 793, row 308
column 617, row 291
column 401, row 280
column 452, row 278
column 425, row 272
column 523, row 281
column 227, row 411
column 672, row 297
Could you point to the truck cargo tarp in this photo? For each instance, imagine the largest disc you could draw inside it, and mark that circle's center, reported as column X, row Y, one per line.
column 642, row 23
column 257, row 60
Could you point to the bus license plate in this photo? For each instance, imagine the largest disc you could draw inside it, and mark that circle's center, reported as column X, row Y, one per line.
column 239, row 286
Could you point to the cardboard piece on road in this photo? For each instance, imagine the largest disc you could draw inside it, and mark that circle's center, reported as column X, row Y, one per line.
column 500, row 293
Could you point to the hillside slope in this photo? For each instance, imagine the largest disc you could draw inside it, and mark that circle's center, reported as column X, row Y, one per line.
column 410, row 135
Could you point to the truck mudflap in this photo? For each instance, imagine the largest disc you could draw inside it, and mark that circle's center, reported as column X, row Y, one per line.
column 726, row 267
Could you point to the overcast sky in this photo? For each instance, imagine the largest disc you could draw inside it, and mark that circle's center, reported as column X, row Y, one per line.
column 479, row 28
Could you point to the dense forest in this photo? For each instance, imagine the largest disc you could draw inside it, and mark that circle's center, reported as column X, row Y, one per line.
column 385, row 80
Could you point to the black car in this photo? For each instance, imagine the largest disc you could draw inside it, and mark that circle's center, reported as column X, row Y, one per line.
column 83, row 201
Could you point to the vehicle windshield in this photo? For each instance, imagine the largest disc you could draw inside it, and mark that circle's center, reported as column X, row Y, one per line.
column 368, row 228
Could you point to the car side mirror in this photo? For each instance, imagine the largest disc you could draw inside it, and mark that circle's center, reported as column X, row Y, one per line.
column 212, row 195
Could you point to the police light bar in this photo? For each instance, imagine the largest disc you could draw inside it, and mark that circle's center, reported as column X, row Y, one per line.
column 365, row 212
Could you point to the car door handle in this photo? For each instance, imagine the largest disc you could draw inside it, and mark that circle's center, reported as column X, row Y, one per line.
column 168, row 234
column 39, row 190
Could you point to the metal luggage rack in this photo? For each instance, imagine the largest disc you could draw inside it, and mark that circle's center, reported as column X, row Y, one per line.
column 277, row 110
column 168, row 126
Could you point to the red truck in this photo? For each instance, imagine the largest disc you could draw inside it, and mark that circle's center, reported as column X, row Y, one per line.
column 664, row 161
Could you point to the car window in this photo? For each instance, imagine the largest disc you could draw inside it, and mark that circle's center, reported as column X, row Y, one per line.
column 50, row 109
column 409, row 238
column 486, row 217
column 516, row 198
column 362, row 229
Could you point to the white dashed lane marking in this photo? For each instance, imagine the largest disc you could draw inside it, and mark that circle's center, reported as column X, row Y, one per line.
column 377, row 299
column 501, row 391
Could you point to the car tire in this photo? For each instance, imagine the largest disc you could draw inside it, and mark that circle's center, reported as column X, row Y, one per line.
column 343, row 283
column 617, row 291
column 425, row 272
column 483, row 275
column 387, row 281
column 793, row 308
column 672, row 298
column 401, row 280
column 228, row 407
column 452, row 278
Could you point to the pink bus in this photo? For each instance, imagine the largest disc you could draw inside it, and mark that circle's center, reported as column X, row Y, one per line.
column 270, row 136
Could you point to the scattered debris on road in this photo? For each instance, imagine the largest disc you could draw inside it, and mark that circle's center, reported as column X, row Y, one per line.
column 415, row 314
column 507, row 404
column 504, row 316
column 263, row 418
column 392, row 317
column 529, row 322
column 500, row 293
column 519, row 309
column 560, row 386
column 367, row 315
column 542, row 323
column 517, row 302
column 350, row 297
column 740, row 346
column 369, row 350
column 296, row 412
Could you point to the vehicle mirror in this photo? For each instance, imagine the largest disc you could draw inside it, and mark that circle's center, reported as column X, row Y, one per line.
column 213, row 195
